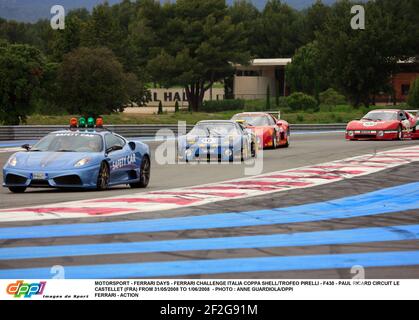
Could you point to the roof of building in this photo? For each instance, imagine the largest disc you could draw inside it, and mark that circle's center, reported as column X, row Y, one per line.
column 268, row 62
column 271, row 62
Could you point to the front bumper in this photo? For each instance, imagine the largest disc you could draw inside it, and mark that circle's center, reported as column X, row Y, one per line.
column 85, row 178
column 371, row 135
column 211, row 153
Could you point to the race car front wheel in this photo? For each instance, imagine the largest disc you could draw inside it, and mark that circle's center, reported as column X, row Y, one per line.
column 17, row 189
column 400, row 133
column 103, row 178
column 144, row 174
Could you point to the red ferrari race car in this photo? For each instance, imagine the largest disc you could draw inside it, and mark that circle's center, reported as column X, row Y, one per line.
column 385, row 125
column 269, row 130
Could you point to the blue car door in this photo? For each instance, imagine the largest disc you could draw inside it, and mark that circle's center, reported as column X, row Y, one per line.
column 119, row 159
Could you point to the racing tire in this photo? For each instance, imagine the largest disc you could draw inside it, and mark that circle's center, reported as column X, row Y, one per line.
column 254, row 151
column 17, row 189
column 399, row 134
column 144, row 174
column 103, row 177
column 274, row 142
column 287, row 144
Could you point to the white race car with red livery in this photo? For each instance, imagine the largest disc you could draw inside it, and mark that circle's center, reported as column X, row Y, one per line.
column 386, row 124
column 271, row 132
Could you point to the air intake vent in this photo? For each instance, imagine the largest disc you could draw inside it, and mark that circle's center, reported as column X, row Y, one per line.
column 73, row 180
column 14, row 179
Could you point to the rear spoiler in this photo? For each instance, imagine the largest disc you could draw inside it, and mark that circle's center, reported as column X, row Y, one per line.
column 276, row 114
column 415, row 112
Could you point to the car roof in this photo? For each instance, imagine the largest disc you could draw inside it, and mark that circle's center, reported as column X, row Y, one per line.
column 254, row 114
column 386, row 110
column 83, row 131
column 217, row 121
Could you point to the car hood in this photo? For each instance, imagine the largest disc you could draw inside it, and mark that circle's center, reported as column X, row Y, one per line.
column 262, row 130
column 207, row 140
column 373, row 125
column 52, row 160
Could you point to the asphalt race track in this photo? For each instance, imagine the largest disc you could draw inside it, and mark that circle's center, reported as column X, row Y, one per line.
column 322, row 231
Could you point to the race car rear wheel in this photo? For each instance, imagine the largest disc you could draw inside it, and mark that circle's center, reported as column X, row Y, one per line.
column 144, row 174
column 274, row 142
column 254, row 150
column 17, row 189
column 103, row 177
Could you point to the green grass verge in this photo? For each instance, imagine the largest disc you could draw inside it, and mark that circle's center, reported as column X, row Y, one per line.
column 341, row 114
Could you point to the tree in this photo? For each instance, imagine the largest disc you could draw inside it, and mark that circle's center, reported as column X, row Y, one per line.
column 245, row 13
column 413, row 99
column 314, row 20
column 278, row 32
column 69, row 39
column 360, row 62
column 305, row 73
column 93, row 82
column 160, row 109
column 21, row 72
column 204, row 45
column 147, row 35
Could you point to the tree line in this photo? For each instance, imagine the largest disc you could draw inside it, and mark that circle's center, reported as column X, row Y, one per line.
column 105, row 59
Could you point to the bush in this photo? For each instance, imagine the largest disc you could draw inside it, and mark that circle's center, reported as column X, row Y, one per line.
column 331, row 97
column 301, row 101
column 223, row 105
column 413, row 99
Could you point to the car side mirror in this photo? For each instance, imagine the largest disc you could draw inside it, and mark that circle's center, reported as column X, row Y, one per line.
column 279, row 123
column 113, row 148
column 27, row 147
column 132, row 145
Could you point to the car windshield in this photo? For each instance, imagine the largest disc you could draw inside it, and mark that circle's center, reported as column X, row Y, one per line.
column 69, row 142
column 381, row 116
column 253, row 120
column 214, row 129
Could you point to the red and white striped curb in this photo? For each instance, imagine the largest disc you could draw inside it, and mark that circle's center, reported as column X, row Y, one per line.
column 273, row 182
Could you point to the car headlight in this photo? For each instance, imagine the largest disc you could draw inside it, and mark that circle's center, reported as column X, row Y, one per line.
column 191, row 140
column 228, row 152
column 82, row 162
column 380, row 133
column 12, row 161
column 350, row 133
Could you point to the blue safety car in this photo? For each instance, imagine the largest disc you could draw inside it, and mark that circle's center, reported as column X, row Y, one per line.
column 222, row 141
column 85, row 157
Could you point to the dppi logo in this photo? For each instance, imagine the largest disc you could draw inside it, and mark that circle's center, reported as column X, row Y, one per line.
column 27, row 290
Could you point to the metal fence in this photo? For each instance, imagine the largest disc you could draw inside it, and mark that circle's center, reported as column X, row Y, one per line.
column 37, row 132
column 131, row 131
